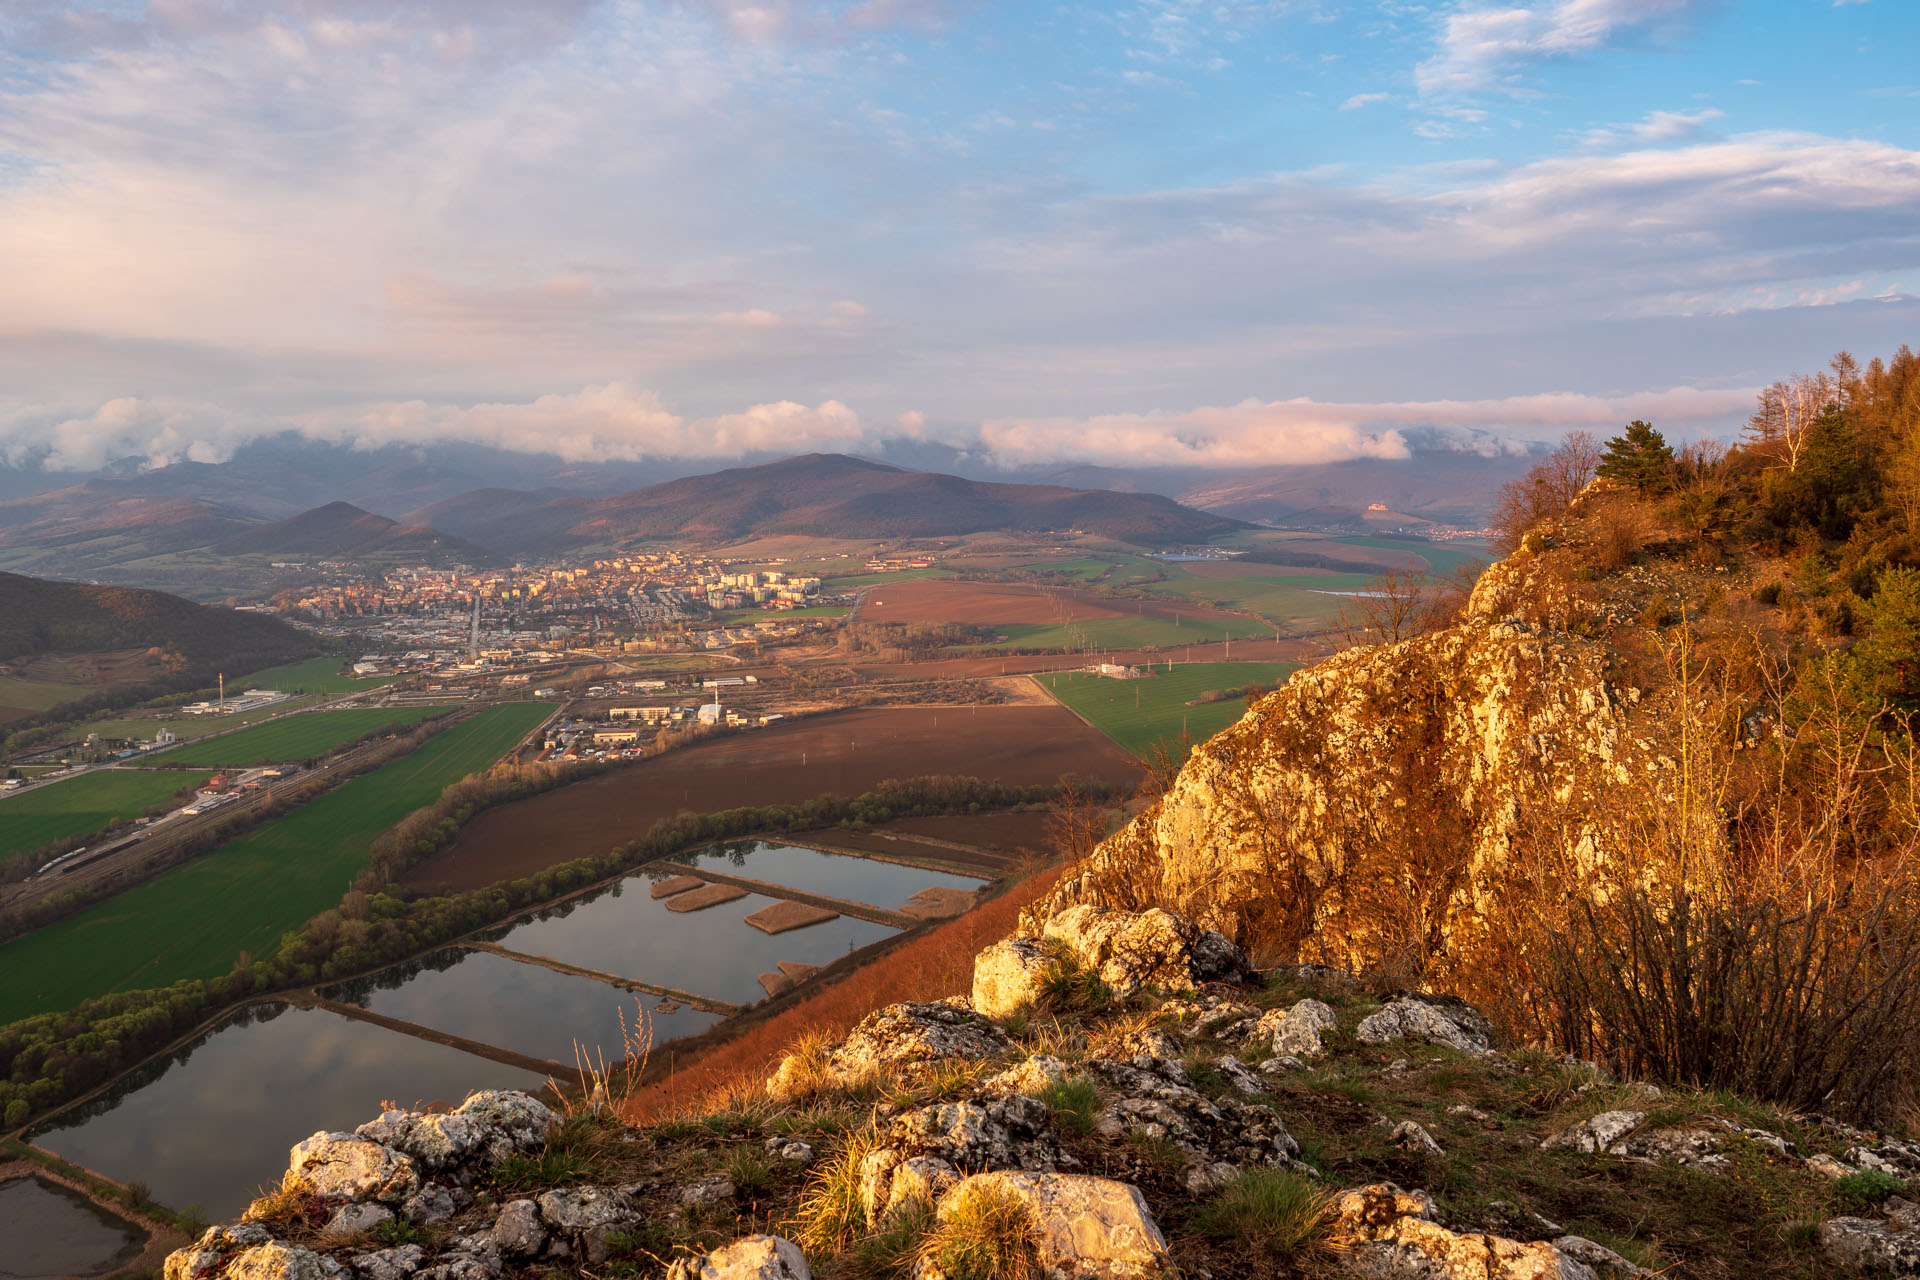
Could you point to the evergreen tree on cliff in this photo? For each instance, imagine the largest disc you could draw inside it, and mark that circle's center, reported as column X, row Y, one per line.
column 1641, row 458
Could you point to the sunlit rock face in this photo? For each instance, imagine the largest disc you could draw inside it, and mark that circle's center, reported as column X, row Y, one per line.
column 1374, row 809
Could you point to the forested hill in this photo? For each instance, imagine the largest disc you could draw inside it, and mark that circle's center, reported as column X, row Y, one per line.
column 38, row 616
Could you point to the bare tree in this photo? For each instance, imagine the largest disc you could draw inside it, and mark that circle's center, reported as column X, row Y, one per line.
column 1399, row 605
column 1546, row 490
column 1779, row 425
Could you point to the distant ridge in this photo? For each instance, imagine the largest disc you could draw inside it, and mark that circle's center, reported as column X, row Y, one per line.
column 836, row 496
column 340, row 530
column 38, row 616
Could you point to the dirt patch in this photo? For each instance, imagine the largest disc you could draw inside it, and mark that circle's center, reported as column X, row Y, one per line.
column 787, row 914
column 675, row 884
column 937, row 904
column 842, row 753
column 710, row 896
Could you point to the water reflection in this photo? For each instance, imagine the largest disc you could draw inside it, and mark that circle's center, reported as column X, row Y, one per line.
column 623, row 930
column 515, row 1005
column 48, row 1231
column 208, row 1125
column 868, row 880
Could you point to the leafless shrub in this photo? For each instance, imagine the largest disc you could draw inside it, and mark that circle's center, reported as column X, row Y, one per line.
column 1546, row 490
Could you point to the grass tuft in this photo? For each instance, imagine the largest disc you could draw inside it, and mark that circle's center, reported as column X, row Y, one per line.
column 1275, row 1211
column 1073, row 1102
column 987, row 1234
column 830, row 1213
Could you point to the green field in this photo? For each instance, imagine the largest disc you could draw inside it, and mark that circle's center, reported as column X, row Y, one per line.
column 856, row 581
column 63, row 810
column 1139, row 713
column 1095, row 634
column 38, row 695
column 1445, row 557
column 295, row 738
column 187, row 728
column 315, row 675
column 193, row 921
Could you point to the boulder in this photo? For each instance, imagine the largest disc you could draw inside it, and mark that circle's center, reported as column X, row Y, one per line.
column 1131, row 951
column 1390, row 1234
column 429, row 1205
column 1030, row 1076
column 518, row 1231
column 434, row 1142
column 1296, row 1032
column 206, row 1257
column 276, row 1261
column 1597, row 1133
column 1086, row 1228
column 1006, row 1132
column 355, row 1219
column 1861, row 1244
column 1160, row 1102
column 754, row 1258
column 511, row 1122
column 901, row 1039
column 1239, row 1075
column 1007, row 976
column 584, row 1217
column 715, row 1190
column 1619, row 1133
column 398, row 1263
column 338, row 1167
column 1439, row 1019
column 1411, row 1137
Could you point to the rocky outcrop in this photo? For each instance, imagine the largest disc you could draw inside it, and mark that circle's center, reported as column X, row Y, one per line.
column 1435, row 1019
column 1131, row 950
column 1285, row 826
column 1390, row 1234
column 900, row 1040
column 1084, row 1228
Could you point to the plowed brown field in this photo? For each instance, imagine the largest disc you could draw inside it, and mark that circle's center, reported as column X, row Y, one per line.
column 843, row 752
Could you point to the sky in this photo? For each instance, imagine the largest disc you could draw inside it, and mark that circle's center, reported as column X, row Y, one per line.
column 1157, row 233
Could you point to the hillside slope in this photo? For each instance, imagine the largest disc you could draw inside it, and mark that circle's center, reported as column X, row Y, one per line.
column 38, row 616
column 340, row 530
column 831, row 495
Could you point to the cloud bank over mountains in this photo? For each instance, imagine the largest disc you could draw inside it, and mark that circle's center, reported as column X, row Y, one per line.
column 1154, row 233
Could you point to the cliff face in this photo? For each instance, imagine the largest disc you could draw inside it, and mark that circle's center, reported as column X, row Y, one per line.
column 1376, row 809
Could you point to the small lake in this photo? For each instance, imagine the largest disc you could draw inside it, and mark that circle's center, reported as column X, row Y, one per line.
column 212, row 1123
column 834, row 875
column 514, row 1005
column 625, row 931
column 48, row 1231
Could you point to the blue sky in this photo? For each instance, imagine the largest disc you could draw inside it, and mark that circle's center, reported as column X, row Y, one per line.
column 1218, row 232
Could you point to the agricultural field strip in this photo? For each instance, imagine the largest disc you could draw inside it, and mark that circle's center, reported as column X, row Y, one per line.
column 1139, row 713
column 80, row 806
column 194, row 920
column 298, row 737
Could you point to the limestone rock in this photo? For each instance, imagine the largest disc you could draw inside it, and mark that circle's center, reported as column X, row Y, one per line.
column 1412, row 1137
column 353, row 1219
column 1439, row 1019
column 1390, row 1234
column 715, row 1190
column 1162, row 1103
column 434, row 1142
column 1296, row 1032
column 1007, row 976
column 1596, row 1134
column 1134, row 950
column 1239, row 1075
column 429, row 1205
column 1087, row 1228
column 1861, row 1244
column 338, row 1167
column 387, row 1264
column 511, row 1122
column 1009, row 1131
column 585, row 1217
column 276, row 1261
column 1030, row 1076
column 918, row 1179
column 754, row 1258
column 207, row 1256
column 518, row 1231
column 899, row 1039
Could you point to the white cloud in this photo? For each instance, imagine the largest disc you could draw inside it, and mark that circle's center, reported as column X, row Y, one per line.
column 1481, row 45
column 1360, row 100
column 1656, row 127
column 1256, row 433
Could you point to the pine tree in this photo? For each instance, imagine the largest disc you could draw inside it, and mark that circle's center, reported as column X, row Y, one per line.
column 1640, row 458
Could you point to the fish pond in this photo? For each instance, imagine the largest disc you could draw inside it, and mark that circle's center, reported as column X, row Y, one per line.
column 48, row 1231
column 834, row 875
column 624, row 931
column 210, row 1124
column 517, row 1005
